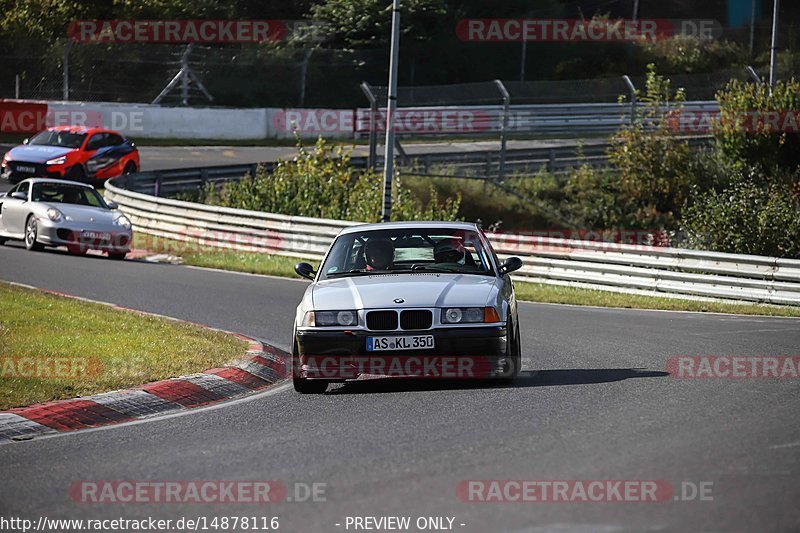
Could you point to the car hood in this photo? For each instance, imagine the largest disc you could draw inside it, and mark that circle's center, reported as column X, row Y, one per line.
column 37, row 153
column 417, row 290
column 83, row 213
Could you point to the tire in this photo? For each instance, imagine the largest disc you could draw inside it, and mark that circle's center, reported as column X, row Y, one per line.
column 130, row 168
column 303, row 385
column 77, row 249
column 309, row 386
column 32, row 234
column 2, row 241
column 513, row 356
column 76, row 173
column 117, row 256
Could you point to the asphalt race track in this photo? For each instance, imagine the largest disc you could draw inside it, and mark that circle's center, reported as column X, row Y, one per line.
column 601, row 408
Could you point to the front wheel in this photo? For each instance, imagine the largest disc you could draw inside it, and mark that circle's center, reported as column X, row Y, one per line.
column 513, row 355
column 117, row 256
column 32, row 235
column 76, row 173
column 309, row 386
column 130, row 168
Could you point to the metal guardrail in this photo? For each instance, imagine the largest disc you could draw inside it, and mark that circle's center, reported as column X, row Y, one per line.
column 597, row 265
column 535, row 119
column 476, row 163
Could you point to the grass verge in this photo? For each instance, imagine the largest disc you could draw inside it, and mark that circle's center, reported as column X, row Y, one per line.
column 53, row 348
column 276, row 265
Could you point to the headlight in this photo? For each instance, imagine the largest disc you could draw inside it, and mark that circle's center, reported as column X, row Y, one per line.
column 57, row 161
column 469, row 315
column 330, row 318
column 54, row 214
column 123, row 221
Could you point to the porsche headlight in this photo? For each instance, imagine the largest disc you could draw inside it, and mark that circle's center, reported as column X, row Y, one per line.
column 57, row 161
column 54, row 214
column 330, row 318
column 123, row 221
column 469, row 315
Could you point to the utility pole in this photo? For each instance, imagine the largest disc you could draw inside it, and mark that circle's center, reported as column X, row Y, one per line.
column 391, row 105
column 774, row 48
column 752, row 27
column 635, row 10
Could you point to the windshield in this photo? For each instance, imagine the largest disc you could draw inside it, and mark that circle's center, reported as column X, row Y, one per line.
column 379, row 252
column 67, row 194
column 59, row 138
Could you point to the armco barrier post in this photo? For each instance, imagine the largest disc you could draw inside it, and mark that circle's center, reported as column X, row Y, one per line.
column 503, row 128
column 632, row 89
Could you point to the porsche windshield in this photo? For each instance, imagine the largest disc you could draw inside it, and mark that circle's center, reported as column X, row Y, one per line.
column 407, row 250
column 63, row 193
column 64, row 139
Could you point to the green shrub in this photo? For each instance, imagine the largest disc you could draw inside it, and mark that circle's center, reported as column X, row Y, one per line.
column 758, row 150
column 321, row 183
column 686, row 54
column 656, row 167
column 745, row 218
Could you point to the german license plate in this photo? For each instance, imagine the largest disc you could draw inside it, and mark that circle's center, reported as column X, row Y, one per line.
column 29, row 170
column 406, row 342
column 96, row 235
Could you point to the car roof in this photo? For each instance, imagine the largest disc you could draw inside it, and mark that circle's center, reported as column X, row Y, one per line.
column 89, row 130
column 430, row 224
column 62, row 182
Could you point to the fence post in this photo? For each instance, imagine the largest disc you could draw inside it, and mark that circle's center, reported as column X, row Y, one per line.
column 632, row 89
column 157, row 186
column 65, row 87
column 753, row 74
column 503, row 128
column 373, row 131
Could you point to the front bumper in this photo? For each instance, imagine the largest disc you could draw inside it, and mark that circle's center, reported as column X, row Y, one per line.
column 459, row 353
column 10, row 171
column 65, row 234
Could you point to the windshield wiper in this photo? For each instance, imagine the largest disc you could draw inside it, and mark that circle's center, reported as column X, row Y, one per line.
column 354, row 272
column 434, row 268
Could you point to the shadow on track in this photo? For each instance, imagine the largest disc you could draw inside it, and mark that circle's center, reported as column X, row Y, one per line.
column 542, row 378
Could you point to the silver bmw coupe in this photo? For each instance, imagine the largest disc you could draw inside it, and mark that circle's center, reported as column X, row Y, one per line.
column 410, row 299
column 50, row 212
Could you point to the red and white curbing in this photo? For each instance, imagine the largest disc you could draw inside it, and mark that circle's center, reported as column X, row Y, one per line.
column 261, row 367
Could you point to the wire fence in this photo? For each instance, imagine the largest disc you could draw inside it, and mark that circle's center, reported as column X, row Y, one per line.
column 313, row 75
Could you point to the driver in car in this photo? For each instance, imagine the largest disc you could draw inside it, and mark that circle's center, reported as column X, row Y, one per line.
column 450, row 251
column 379, row 254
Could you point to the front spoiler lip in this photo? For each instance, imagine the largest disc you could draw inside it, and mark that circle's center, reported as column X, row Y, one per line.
column 49, row 237
column 483, row 347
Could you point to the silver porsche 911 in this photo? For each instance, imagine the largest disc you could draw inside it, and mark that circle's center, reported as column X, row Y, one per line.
column 418, row 299
column 49, row 212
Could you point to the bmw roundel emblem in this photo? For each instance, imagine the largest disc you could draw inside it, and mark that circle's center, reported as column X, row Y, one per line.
column 399, row 300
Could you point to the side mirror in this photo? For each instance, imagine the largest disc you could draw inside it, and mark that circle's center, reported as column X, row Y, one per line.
column 19, row 195
column 25, row 141
column 112, row 205
column 510, row 265
column 305, row 270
